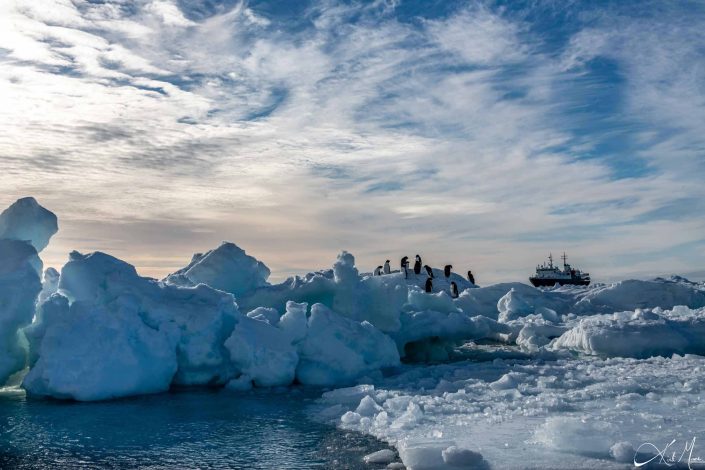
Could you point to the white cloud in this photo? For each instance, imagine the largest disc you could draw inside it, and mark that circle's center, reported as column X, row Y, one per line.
column 362, row 133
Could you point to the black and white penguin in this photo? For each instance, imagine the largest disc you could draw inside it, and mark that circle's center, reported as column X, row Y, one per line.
column 454, row 290
column 447, row 269
column 387, row 267
column 471, row 278
column 378, row 271
column 405, row 265
column 428, row 270
column 417, row 265
column 429, row 285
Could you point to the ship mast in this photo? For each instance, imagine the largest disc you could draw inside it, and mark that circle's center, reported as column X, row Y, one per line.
column 564, row 258
column 550, row 260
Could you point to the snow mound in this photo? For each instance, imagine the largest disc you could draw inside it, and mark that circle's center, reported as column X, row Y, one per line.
column 633, row 294
column 227, row 268
column 27, row 220
column 638, row 334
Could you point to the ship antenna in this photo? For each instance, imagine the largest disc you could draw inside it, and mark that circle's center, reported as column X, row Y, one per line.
column 564, row 257
column 550, row 259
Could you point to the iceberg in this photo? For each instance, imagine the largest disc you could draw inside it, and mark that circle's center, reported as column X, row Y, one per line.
column 28, row 221
column 25, row 230
column 227, row 268
column 19, row 287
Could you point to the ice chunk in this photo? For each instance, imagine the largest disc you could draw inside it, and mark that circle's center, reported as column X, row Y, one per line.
column 377, row 299
column 266, row 314
column 506, row 382
column 623, row 452
column 380, row 457
column 484, row 300
column 240, row 384
column 637, row 334
column 27, row 220
column 262, row 352
column 227, row 268
column 318, row 287
column 348, row 395
column 423, row 455
column 50, row 284
column 421, row 326
column 198, row 319
column 587, row 436
column 338, row 350
column 439, row 302
column 368, row 407
column 89, row 353
column 633, row 294
column 19, row 287
column 294, row 321
column 523, row 301
column 350, row 417
column 458, row 457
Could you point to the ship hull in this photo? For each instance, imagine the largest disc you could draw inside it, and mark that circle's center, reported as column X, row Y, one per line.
column 542, row 282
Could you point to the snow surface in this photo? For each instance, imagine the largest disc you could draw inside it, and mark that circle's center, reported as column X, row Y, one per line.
column 575, row 377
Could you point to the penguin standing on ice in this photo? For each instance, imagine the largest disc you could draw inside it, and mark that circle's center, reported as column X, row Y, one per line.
column 471, row 278
column 378, row 271
column 405, row 265
column 417, row 265
column 387, row 268
column 429, row 286
column 428, row 270
column 447, row 269
column 454, row 290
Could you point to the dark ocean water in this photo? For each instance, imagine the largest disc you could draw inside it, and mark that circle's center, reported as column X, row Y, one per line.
column 187, row 429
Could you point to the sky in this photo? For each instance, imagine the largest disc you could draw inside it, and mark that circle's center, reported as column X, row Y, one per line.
column 484, row 134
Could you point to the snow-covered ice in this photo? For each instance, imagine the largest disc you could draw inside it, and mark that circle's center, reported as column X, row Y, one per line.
column 568, row 413
column 227, row 268
column 574, row 377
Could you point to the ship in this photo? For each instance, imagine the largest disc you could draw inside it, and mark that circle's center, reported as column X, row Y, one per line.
column 548, row 275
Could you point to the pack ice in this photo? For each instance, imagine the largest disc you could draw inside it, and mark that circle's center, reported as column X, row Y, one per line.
column 565, row 377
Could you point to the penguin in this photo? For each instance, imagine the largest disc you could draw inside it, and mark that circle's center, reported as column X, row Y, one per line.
column 471, row 278
column 417, row 265
column 405, row 265
column 428, row 270
column 447, row 269
column 378, row 271
column 387, row 268
column 429, row 285
column 454, row 290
